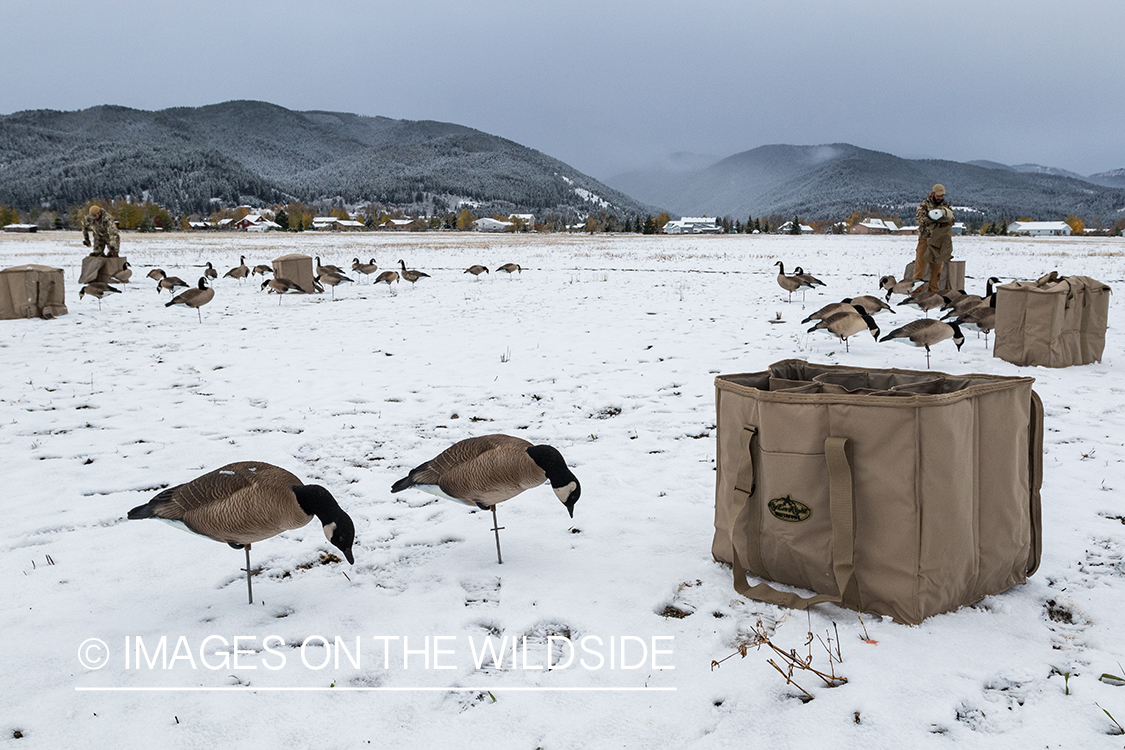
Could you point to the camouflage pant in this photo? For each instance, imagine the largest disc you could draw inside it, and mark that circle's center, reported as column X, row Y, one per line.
column 112, row 245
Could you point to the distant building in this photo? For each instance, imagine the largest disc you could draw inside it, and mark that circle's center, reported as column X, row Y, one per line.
column 486, row 224
column 693, row 225
column 875, row 226
column 21, row 227
column 404, row 225
column 787, row 228
column 1040, row 228
column 527, row 219
column 254, row 223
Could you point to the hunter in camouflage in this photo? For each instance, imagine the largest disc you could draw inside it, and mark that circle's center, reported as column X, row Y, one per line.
column 105, row 233
column 935, row 243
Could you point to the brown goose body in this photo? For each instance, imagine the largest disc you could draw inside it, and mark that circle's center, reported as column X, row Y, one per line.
column 241, row 271
column 873, row 305
column 510, row 268
column 262, row 270
column 171, row 283
column 411, row 275
column 124, row 273
column 490, row 469
column 927, row 332
column 847, row 323
column 807, row 278
column 789, row 283
column 211, row 273
column 476, row 270
column 197, row 297
column 387, row 277
column 365, row 268
column 925, row 301
column 321, row 269
column 156, row 274
column 97, row 289
column 246, row 502
column 895, row 287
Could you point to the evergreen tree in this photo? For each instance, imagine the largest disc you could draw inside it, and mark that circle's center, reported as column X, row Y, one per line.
column 796, row 228
column 282, row 220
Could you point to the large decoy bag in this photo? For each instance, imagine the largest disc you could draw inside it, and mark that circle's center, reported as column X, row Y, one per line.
column 895, row 492
column 32, row 291
column 1055, row 323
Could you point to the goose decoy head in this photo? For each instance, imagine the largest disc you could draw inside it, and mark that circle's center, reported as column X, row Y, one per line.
column 339, row 529
column 265, row 283
column 565, row 485
column 958, row 337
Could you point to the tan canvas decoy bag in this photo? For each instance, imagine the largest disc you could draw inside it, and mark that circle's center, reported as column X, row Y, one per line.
column 896, row 492
column 1053, row 322
column 32, row 291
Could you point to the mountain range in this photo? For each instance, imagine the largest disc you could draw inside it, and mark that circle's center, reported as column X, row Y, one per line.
column 832, row 181
column 258, row 153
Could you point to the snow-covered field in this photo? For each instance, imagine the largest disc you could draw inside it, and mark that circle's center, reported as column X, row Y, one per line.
column 606, row 348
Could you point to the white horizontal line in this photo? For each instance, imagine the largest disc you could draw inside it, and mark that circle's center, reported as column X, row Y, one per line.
column 271, row 689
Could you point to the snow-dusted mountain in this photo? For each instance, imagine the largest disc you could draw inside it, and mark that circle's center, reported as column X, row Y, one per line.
column 255, row 152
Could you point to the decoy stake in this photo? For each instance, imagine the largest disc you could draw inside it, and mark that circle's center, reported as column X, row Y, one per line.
column 496, row 529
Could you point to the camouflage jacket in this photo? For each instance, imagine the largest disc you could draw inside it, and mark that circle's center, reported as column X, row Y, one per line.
column 922, row 215
column 103, row 227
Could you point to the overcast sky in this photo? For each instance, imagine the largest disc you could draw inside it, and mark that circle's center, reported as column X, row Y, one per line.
column 608, row 86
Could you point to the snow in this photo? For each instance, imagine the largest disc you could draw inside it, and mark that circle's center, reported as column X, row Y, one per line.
column 605, row 347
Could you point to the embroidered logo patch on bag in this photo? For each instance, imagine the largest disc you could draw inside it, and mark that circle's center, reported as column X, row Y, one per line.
column 788, row 509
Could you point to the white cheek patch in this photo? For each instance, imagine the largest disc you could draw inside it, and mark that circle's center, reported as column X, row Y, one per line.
column 329, row 530
column 563, row 492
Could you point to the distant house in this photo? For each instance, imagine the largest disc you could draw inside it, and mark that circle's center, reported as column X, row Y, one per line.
column 875, row 226
column 201, row 225
column 906, row 230
column 693, row 225
column 486, row 224
column 404, row 225
column 254, row 223
column 527, row 219
column 787, row 228
column 958, row 227
column 21, row 227
column 333, row 224
column 1040, row 228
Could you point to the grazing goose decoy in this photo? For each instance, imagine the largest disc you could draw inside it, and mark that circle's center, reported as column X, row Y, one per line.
column 872, row 305
column 156, row 274
column 332, row 279
column 848, row 323
column 171, row 283
column 240, row 272
column 927, row 332
column 807, row 278
column 124, row 273
column 262, row 270
column 895, row 287
column 97, row 289
column 965, row 302
column 281, row 287
column 510, row 268
column 925, row 301
column 387, row 277
column 196, row 298
column 789, row 283
column 476, row 270
column 411, row 275
column 211, row 273
column 365, row 268
column 321, row 269
column 487, row 470
column 246, row 502
column 981, row 318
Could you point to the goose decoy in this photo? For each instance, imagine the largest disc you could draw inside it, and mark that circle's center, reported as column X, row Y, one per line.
column 807, row 278
column 476, row 270
column 387, row 277
column 872, row 305
column 240, row 272
column 966, row 302
column 981, row 318
column 487, row 470
column 925, row 301
column 211, row 273
column 246, row 502
column 332, row 279
column 281, row 287
column 124, row 273
column 156, row 274
column 510, row 268
column 927, row 332
column 197, row 297
column 895, row 287
column 321, row 269
column 262, row 270
column 365, row 268
column 171, row 283
column 848, row 323
column 789, row 283
column 411, row 275
column 97, row 289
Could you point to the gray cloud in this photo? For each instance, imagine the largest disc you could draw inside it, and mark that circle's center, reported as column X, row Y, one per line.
column 606, row 88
